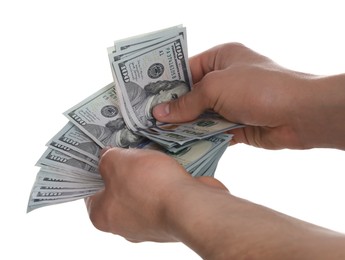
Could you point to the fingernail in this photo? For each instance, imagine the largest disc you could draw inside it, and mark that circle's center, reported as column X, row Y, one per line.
column 161, row 110
column 104, row 150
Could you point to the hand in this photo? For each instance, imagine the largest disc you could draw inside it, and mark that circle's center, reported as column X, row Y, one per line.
column 148, row 196
column 138, row 184
column 280, row 108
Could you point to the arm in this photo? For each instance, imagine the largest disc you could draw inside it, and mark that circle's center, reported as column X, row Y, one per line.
column 148, row 196
column 280, row 108
column 217, row 225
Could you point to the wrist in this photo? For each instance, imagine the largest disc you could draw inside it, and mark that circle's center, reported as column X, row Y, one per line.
column 217, row 225
column 193, row 215
column 319, row 118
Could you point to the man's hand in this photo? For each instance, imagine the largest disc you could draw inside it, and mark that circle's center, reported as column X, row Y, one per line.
column 280, row 108
column 138, row 187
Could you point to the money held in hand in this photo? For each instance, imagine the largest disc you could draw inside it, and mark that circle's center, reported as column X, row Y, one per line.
column 147, row 70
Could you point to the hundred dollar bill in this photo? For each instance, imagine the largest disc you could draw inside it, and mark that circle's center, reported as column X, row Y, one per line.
column 53, row 191
column 177, row 135
column 151, row 76
column 54, row 172
column 53, row 187
column 197, row 151
column 207, row 147
column 44, row 198
column 60, row 160
column 151, row 73
column 73, row 153
column 130, row 48
column 46, row 179
column 70, row 136
column 100, row 118
column 41, row 192
column 143, row 40
column 178, row 148
column 127, row 47
column 208, row 167
column 205, row 126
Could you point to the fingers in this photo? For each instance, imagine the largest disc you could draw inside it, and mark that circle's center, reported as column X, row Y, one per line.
column 186, row 108
column 201, row 64
column 109, row 161
column 208, row 61
column 95, row 199
column 220, row 57
column 95, row 208
column 209, row 84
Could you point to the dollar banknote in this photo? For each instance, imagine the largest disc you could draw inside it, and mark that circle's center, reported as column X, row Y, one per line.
column 99, row 117
column 63, row 178
column 153, row 72
column 142, row 41
column 55, row 159
column 71, row 138
column 147, row 69
column 149, row 76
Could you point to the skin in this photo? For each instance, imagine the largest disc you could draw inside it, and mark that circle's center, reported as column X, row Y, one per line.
column 282, row 108
column 148, row 196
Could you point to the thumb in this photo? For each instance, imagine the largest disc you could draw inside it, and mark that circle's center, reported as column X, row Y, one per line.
column 186, row 108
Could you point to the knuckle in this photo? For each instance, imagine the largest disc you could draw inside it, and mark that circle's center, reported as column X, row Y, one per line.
column 235, row 46
column 97, row 220
column 208, row 90
column 100, row 217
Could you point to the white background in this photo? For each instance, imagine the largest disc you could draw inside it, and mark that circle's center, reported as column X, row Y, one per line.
column 53, row 55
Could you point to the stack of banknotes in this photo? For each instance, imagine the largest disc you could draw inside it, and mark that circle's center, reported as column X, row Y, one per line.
column 147, row 69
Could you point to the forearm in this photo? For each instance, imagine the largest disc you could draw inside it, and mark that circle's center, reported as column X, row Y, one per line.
column 218, row 225
column 320, row 112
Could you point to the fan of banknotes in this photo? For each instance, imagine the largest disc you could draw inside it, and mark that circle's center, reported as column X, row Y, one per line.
column 147, row 69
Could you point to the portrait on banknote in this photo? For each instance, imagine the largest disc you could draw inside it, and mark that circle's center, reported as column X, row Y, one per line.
column 144, row 99
column 121, row 136
column 115, row 133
